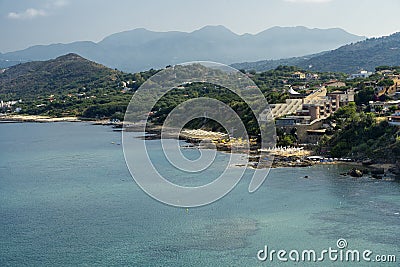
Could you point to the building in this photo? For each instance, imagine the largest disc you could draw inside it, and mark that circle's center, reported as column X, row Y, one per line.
column 383, row 106
column 299, row 75
column 9, row 104
column 389, row 90
column 313, row 136
column 335, row 84
column 395, row 119
column 294, row 94
column 385, row 72
column 317, row 105
column 361, row 74
column 341, row 98
column 306, row 133
column 292, row 121
column 306, row 114
column 312, row 76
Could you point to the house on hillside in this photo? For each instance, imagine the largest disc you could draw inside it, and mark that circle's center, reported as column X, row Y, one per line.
column 385, row 72
column 376, row 106
column 362, row 74
column 292, row 121
column 340, row 98
column 335, row 84
column 307, row 113
column 299, row 75
column 318, row 105
column 395, row 119
column 312, row 76
column 294, row 94
column 313, row 136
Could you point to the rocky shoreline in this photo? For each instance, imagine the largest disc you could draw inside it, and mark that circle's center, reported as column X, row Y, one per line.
column 378, row 171
column 283, row 157
column 206, row 139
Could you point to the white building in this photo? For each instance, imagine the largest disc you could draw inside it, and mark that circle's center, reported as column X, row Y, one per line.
column 362, row 74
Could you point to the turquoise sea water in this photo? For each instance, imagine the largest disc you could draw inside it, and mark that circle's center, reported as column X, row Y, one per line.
column 67, row 198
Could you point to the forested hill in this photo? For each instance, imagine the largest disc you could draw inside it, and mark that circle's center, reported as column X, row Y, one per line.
column 363, row 55
column 65, row 73
column 69, row 85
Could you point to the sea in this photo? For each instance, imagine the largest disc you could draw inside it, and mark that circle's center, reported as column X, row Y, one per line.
column 67, row 198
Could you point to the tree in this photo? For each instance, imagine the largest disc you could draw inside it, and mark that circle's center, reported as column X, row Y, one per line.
column 365, row 95
column 393, row 109
column 385, row 82
column 286, row 140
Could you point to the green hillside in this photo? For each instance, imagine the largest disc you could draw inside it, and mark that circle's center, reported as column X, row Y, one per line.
column 360, row 135
column 68, row 72
column 69, row 85
column 73, row 86
column 363, row 55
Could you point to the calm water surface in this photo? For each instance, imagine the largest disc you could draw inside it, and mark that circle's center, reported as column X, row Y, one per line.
column 67, row 198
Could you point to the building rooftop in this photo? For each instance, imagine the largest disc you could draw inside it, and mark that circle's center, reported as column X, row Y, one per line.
column 317, row 131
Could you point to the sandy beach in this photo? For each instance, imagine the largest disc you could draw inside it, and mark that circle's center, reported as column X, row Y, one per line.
column 36, row 118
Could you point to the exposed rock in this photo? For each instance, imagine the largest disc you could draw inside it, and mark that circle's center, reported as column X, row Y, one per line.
column 355, row 173
column 395, row 170
column 377, row 171
column 376, row 176
column 367, row 162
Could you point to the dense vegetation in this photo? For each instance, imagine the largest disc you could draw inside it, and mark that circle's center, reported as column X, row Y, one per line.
column 73, row 86
column 69, row 86
column 360, row 135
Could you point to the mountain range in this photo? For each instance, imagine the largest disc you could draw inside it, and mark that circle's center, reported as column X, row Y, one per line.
column 141, row 49
column 363, row 55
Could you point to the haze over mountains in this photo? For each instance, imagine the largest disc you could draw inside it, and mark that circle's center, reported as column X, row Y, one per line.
column 141, row 49
column 363, row 55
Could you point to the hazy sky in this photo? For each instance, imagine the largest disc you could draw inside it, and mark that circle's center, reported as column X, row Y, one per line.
column 24, row 23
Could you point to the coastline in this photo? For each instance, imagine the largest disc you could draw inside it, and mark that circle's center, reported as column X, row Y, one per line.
column 206, row 139
column 283, row 157
column 36, row 118
column 49, row 119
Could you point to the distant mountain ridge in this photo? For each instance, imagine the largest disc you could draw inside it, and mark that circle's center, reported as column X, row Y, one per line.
column 141, row 49
column 363, row 55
